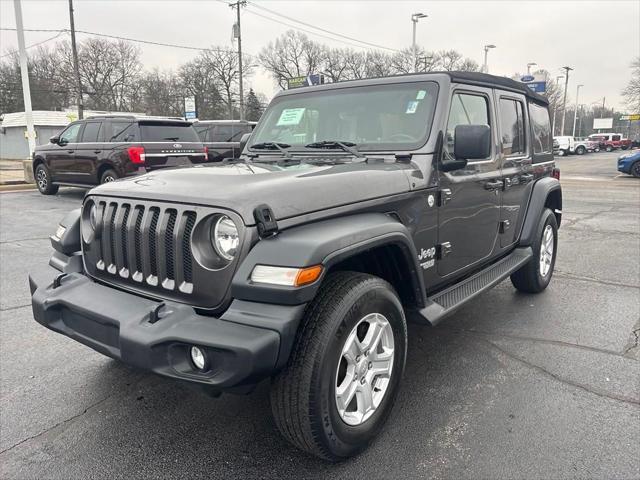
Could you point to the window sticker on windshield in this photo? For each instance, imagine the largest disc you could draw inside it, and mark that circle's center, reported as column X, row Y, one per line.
column 412, row 106
column 421, row 94
column 290, row 116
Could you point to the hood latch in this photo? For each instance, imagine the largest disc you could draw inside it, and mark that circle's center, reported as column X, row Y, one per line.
column 265, row 220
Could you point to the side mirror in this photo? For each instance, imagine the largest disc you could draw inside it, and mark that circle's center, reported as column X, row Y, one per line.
column 472, row 142
column 243, row 141
column 55, row 139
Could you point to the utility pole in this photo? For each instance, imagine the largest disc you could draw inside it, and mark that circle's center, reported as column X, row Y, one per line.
column 76, row 68
column 564, row 101
column 237, row 5
column 575, row 113
column 24, row 73
column 555, row 110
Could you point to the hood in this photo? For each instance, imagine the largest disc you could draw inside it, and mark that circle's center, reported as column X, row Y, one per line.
column 289, row 190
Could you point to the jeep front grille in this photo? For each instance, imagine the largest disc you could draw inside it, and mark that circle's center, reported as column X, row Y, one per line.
column 149, row 245
column 153, row 247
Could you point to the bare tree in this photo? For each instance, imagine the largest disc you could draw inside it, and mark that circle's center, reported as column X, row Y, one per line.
column 631, row 92
column 291, row 55
column 162, row 94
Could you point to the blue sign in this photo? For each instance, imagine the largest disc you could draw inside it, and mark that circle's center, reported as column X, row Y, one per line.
column 528, row 78
column 538, row 87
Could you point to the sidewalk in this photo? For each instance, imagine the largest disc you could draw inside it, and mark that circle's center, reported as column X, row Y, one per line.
column 11, row 172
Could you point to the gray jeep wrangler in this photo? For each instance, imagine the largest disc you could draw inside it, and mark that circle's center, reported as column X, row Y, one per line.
column 354, row 207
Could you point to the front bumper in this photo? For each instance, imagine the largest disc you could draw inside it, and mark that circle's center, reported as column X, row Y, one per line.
column 624, row 165
column 249, row 342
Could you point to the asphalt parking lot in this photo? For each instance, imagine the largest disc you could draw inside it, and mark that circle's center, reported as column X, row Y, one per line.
column 512, row 386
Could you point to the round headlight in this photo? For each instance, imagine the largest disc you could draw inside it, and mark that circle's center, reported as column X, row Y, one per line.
column 225, row 238
column 93, row 216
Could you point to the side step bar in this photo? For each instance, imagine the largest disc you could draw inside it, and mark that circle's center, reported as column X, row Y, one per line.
column 447, row 301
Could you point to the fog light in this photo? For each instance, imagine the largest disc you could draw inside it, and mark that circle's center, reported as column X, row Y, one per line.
column 198, row 358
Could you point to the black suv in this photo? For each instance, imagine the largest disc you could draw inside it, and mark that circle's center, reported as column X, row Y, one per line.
column 103, row 149
column 222, row 137
column 354, row 207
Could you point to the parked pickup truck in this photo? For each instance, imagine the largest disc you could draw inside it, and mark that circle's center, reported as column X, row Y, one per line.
column 354, row 207
column 565, row 144
column 611, row 141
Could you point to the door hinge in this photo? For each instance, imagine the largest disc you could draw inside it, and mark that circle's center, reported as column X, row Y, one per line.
column 504, row 225
column 443, row 249
column 444, row 196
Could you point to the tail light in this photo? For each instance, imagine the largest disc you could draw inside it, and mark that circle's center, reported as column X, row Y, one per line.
column 556, row 173
column 136, row 155
column 206, row 151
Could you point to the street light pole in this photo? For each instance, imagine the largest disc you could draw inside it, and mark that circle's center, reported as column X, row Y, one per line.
column 555, row 110
column 237, row 6
column 575, row 114
column 76, row 68
column 485, row 66
column 414, row 49
column 564, row 101
column 24, row 73
column 529, row 65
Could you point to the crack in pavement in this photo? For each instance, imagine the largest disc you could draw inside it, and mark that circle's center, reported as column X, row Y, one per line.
column 574, row 276
column 74, row 417
column 590, row 389
column 560, row 343
column 633, row 342
column 8, row 309
column 5, row 242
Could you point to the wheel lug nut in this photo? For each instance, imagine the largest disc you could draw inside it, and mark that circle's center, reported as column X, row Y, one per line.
column 370, row 365
column 366, row 354
column 362, row 381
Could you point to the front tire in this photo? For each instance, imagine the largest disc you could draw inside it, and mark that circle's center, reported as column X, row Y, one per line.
column 581, row 150
column 338, row 388
column 535, row 275
column 609, row 148
column 43, row 180
column 635, row 169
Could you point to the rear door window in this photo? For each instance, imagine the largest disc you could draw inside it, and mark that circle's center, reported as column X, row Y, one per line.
column 91, row 132
column 512, row 127
column 615, row 138
column 167, row 132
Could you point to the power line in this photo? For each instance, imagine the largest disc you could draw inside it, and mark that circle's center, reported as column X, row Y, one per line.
column 374, row 45
column 35, row 44
column 117, row 37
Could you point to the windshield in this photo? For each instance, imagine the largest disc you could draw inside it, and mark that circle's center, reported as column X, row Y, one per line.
column 380, row 117
column 168, row 132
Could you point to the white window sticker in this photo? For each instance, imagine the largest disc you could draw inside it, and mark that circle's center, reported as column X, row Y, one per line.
column 421, row 94
column 290, row 116
column 412, row 106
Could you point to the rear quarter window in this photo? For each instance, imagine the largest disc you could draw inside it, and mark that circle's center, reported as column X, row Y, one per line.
column 167, row 132
column 541, row 129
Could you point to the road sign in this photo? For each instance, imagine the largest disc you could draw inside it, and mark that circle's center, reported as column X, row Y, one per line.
column 312, row 79
column 190, row 108
column 634, row 117
column 602, row 123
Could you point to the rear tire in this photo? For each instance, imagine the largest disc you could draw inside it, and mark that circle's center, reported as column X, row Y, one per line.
column 561, row 153
column 335, row 362
column 43, row 180
column 581, row 150
column 609, row 148
column 535, row 275
column 109, row 175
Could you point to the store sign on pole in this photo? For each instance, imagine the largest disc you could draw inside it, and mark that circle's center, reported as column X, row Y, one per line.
column 537, row 83
column 190, row 108
column 306, row 81
column 602, row 123
column 634, row 117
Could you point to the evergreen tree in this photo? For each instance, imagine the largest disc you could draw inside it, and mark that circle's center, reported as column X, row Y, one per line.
column 253, row 107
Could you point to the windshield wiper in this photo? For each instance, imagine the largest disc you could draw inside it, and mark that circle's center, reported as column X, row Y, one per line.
column 333, row 144
column 273, row 146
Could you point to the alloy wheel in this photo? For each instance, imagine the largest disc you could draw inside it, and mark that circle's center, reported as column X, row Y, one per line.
column 364, row 369
column 546, row 251
column 41, row 179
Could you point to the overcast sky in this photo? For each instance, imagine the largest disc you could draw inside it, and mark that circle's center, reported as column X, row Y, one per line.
column 597, row 38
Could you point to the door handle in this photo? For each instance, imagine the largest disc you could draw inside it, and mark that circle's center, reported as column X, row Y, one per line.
column 495, row 185
column 526, row 178
column 97, row 151
column 70, row 151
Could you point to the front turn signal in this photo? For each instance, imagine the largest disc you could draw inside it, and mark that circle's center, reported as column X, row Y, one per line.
column 285, row 276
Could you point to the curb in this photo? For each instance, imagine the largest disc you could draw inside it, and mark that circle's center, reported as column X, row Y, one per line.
column 16, row 187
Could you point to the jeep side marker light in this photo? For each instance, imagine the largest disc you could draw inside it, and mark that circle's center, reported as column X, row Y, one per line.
column 286, row 276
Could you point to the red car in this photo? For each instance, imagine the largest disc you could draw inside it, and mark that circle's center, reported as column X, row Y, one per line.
column 611, row 141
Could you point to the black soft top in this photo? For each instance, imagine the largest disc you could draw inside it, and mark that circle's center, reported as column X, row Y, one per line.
column 487, row 80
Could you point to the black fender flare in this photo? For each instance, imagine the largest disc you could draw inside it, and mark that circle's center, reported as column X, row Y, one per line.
column 326, row 243
column 538, row 201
